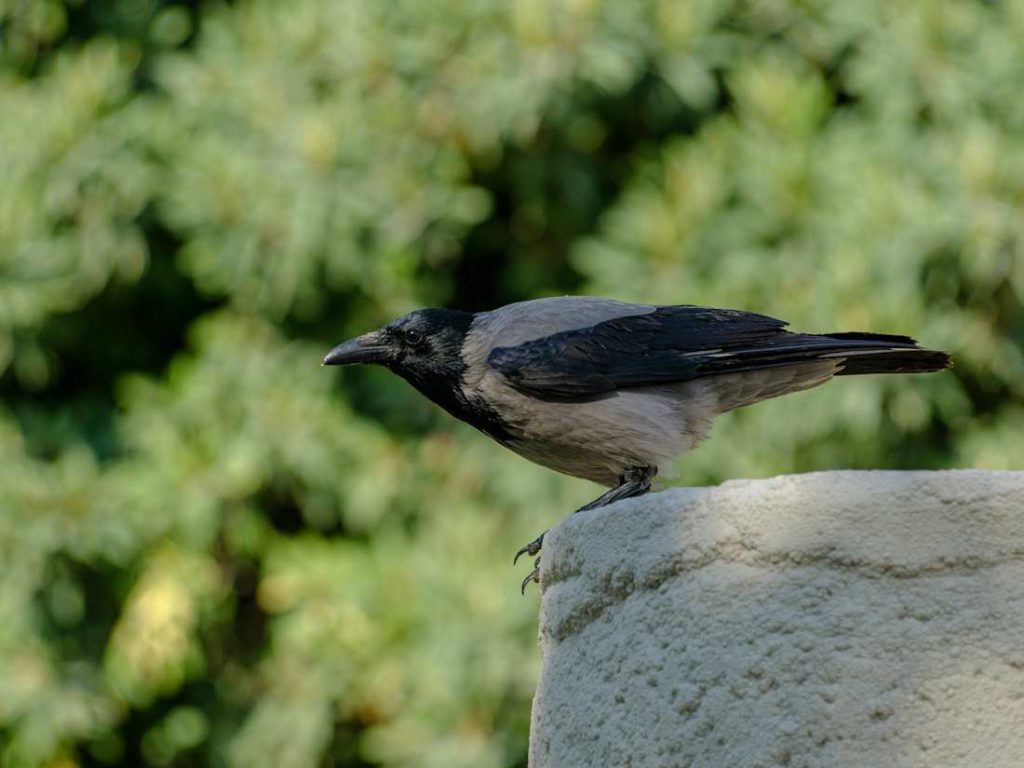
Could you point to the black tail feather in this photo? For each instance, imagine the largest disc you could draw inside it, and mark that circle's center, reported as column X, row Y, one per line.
column 896, row 361
column 894, row 354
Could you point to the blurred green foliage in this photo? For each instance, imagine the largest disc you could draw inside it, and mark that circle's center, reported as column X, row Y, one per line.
column 212, row 551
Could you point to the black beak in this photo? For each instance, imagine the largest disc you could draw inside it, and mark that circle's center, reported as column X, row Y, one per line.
column 371, row 347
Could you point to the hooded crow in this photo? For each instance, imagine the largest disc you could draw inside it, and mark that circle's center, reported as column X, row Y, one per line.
column 609, row 391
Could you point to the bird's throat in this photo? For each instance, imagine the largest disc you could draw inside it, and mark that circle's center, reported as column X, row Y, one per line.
column 445, row 389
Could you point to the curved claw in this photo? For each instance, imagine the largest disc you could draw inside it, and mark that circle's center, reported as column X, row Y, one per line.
column 533, row 576
column 531, row 549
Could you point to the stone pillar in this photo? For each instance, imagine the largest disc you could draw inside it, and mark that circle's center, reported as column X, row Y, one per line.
column 846, row 619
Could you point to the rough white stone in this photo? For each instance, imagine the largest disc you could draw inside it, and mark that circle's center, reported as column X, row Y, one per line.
column 833, row 619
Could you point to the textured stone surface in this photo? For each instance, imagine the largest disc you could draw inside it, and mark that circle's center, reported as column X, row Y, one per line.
column 830, row 619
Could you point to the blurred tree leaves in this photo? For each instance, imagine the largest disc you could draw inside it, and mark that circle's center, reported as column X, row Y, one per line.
column 72, row 193
column 216, row 553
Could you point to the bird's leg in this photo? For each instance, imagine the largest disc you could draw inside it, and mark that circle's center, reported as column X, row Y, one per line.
column 635, row 481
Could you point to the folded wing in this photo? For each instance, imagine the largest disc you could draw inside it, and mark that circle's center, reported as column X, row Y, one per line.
column 680, row 343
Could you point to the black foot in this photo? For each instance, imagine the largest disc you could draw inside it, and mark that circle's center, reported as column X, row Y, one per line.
column 534, row 576
column 635, row 481
column 532, row 549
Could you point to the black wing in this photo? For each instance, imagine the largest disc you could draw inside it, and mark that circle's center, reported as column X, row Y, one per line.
column 679, row 343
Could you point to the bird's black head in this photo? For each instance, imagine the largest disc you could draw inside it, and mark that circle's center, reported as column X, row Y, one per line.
column 424, row 347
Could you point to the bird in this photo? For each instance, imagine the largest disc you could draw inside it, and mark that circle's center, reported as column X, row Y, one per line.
column 610, row 391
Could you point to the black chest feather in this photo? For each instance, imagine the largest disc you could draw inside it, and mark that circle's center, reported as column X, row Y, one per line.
column 446, row 392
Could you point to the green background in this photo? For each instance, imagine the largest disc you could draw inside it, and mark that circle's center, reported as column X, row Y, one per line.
column 215, row 552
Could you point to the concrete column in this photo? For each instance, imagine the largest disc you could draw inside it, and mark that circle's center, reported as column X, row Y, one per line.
column 832, row 619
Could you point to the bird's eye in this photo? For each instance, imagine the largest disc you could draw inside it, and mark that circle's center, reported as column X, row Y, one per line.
column 413, row 336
